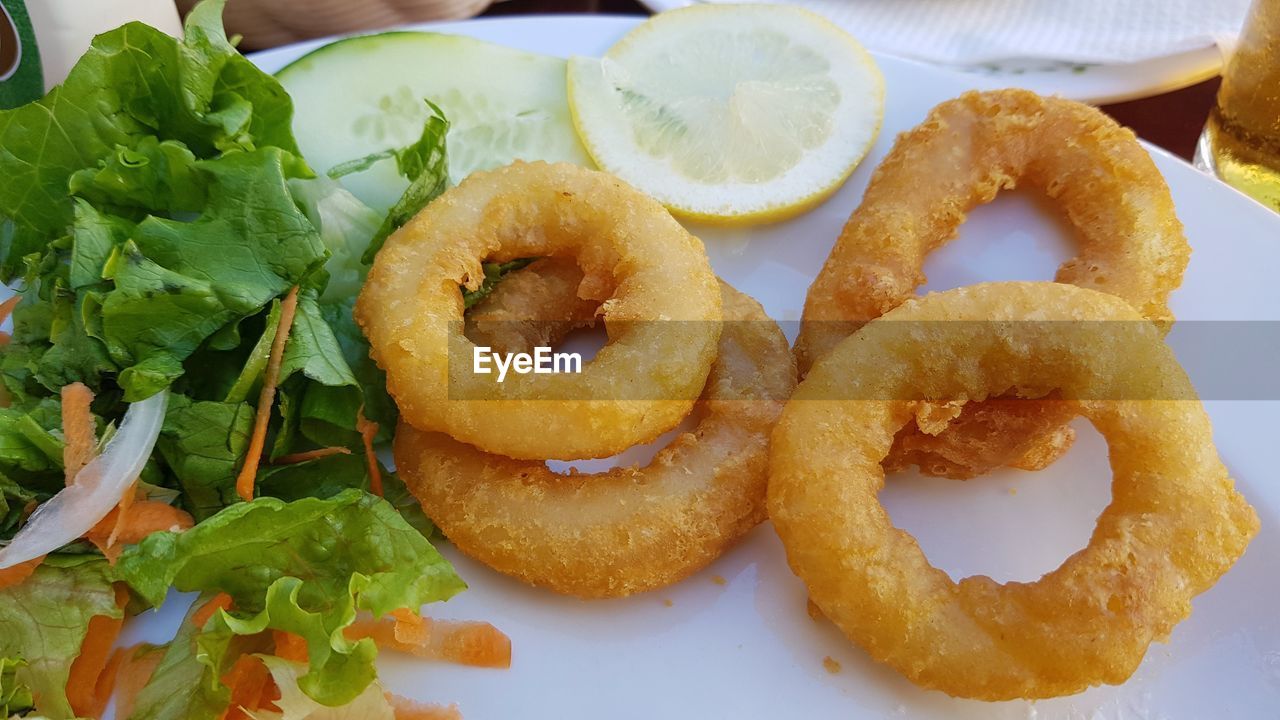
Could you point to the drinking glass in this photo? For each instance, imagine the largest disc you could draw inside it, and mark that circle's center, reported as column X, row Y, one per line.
column 1241, row 142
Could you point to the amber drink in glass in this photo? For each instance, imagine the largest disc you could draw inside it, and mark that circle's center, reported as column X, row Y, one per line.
column 1241, row 142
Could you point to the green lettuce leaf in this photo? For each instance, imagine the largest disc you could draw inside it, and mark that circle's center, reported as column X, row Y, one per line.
column 177, row 283
column 134, row 82
column 306, row 567
column 18, row 364
column 31, row 444
column 158, row 176
column 15, row 696
column 324, row 412
column 328, row 476
column 319, row 478
column 43, row 621
column 346, row 225
column 24, row 445
column 426, row 164
column 325, row 543
column 95, row 237
column 326, row 378
column 237, row 105
column 73, row 355
column 103, row 178
column 203, row 444
column 249, row 380
column 77, row 125
column 336, row 407
column 294, row 704
column 339, row 669
column 395, row 492
column 186, row 685
column 312, row 349
column 14, row 499
column 319, row 395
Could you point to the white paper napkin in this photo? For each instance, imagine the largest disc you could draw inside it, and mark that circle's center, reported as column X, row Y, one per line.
column 974, row 32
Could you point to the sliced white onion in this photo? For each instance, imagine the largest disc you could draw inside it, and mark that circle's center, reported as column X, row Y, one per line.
column 97, row 488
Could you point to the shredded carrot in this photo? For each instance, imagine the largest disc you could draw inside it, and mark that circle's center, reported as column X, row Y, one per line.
column 78, row 430
column 410, row 627
column 324, row 452
column 406, row 709
column 266, row 398
column 290, row 646
column 106, row 685
column 251, row 686
column 134, row 667
column 6, row 308
column 368, row 430
column 221, row 601
column 18, row 574
column 478, row 644
column 132, row 522
column 89, row 667
column 122, row 513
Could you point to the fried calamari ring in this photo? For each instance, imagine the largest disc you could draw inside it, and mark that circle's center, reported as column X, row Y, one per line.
column 968, row 149
column 1174, row 526
column 628, row 529
column 536, row 306
column 661, row 308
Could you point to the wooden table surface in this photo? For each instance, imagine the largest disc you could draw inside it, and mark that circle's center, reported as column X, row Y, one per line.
column 1171, row 121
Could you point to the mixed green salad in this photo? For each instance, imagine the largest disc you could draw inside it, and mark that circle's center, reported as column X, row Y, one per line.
column 157, row 218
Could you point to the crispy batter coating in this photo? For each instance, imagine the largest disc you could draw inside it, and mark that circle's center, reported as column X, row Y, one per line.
column 661, row 307
column 981, row 436
column 967, row 150
column 1174, row 526
column 536, row 306
column 629, row 529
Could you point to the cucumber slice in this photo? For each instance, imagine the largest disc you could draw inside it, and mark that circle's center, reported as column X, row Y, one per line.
column 364, row 94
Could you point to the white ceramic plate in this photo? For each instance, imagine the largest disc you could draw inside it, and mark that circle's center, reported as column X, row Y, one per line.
column 735, row 642
column 1094, row 83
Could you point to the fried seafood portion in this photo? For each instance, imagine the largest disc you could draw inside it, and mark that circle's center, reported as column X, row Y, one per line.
column 628, row 529
column 967, row 150
column 1175, row 524
column 659, row 302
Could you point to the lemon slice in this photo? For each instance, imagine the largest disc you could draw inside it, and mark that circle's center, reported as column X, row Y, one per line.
column 730, row 113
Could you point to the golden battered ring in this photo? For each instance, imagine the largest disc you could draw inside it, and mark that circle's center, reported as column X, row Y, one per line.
column 661, row 307
column 1174, row 526
column 968, row 149
column 629, row 529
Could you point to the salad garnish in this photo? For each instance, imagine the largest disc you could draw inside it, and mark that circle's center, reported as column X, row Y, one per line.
column 188, row 404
